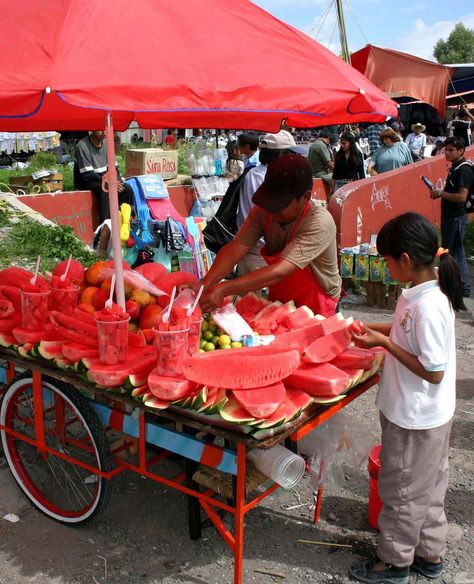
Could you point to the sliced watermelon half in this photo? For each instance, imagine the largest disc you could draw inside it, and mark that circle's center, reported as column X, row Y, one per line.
column 235, row 413
column 23, row 335
column 354, row 358
column 285, row 412
column 300, row 338
column 261, row 402
column 77, row 351
column 169, row 388
column 50, row 349
column 301, row 317
column 8, row 341
column 156, row 403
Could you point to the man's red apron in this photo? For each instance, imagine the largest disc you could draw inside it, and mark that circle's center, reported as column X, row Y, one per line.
column 300, row 286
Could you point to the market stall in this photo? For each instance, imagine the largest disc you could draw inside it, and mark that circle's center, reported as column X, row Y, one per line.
column 62, row 85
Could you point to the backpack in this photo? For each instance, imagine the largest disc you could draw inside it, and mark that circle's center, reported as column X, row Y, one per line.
column 222, row 228
column 469, row 204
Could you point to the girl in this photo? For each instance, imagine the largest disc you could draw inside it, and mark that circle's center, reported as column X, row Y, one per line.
column 416, row 400
column 348, row 163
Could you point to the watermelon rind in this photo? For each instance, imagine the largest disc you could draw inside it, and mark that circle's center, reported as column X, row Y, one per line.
column 135, row 380
column 137, row 392
column 235, row 413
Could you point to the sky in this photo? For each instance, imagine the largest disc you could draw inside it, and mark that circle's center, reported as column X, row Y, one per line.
column 410, row 26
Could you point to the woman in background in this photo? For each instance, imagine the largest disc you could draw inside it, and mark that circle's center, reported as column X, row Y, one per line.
column 348, row 163
column 392, row 154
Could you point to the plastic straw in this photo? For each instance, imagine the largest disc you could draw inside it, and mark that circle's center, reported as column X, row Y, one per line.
column 108, row 303
column 166, row 316
column 192, row 308
column 64, row 275
column 35, row 277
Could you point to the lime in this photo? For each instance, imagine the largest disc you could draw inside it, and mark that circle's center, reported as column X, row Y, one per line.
column 202, row 351
column 207, row 335
column 236, row 345
column 215, row 340
column 202, row 343
column 224, row 340
column 226, row 346
column 219, row 332
column 212, row 326
column 208, row 317
column 204, row 326
column 209, row 347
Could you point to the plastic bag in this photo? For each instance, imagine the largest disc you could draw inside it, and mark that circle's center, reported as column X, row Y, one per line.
column 175, row 236
column 161, row 257
column 229, row 320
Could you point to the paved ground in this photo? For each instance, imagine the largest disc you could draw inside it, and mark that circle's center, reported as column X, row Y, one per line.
column 142, row 537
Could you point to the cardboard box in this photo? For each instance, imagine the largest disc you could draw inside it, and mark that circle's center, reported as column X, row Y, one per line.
column 151, row 161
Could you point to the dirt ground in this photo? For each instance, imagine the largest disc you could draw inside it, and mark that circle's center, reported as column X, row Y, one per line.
column 142, row 538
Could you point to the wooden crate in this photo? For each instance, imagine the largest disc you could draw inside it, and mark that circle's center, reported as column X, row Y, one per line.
column 48, row 184
column 382, row 296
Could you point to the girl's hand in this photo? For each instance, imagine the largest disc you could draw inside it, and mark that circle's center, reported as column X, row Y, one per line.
column 369, row 338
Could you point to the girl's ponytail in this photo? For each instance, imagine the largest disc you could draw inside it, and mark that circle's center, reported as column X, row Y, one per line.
column 449, row 278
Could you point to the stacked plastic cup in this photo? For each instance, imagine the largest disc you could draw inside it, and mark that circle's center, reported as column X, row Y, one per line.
column 279, row 464
column 35, row 309
column 172, row 349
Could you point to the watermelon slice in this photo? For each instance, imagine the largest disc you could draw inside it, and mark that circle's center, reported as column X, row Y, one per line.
column 63, row 363
column 156, row 403
column 135, row 380
column 7, row 340
column 243, row 369
column 318, row 380
column 301, row 317
column 50, row 349
column 8, row 324
column 250, row 305
column 269, row 322
column 261, row 402
column 77, row 351
column 23, row 335
column 169, row 388
column 234, row 412
column 300, row 338
column 354, row 358
column 116, row 375
column 137, row 392
column 6, row 308
column 298, row 398
column 74, row 329
column 286, row 411
column 333, row 323
column 328, row 347
column 216, row 400
column 25, row 350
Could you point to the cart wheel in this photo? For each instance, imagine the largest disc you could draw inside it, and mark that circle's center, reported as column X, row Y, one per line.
column 63, row 490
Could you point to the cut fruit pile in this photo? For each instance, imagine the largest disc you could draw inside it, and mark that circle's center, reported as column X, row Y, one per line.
column 311, row 359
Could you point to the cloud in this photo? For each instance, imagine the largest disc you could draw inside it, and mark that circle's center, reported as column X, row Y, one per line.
column 422, row 37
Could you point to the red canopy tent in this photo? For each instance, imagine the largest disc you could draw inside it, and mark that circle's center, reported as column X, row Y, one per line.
column 76, row 64
column 403, row 75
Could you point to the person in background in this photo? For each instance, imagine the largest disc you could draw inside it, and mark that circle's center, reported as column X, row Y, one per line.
column 348, row 163
column 372, row 133
column 300, row 249
column 416, row 141
column 439, row 145
column 170, row 140
column 234, row 165
column 271, row 146
column 321, row 156
column 416, row 401
column 89, row 168
column 396, row 125
column 248, row 147
column 453, row 212
column 392, row 154
column 461, row 126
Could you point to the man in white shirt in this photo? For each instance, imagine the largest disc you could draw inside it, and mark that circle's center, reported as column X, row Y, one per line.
column 416, row 141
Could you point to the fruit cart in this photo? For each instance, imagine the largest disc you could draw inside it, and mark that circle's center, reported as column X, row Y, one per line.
column 56, row 432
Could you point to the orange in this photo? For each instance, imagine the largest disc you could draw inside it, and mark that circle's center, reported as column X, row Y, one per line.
column 88, row 294
column 93, row 273
column 141, row 297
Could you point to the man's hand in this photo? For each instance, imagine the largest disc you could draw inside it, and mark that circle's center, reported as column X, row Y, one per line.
column 212, row 298
column 120, row 187
column 370, row 338
column 435, row 193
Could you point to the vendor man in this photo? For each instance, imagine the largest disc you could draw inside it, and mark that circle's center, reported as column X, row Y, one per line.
column 300, row 244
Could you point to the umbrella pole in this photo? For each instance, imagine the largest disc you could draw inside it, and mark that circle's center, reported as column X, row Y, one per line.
column 114, row 209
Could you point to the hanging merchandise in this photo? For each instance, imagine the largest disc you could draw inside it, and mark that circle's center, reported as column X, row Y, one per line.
column 125, row 216
column 143, row 212
column 175, row 236
column 162, row 257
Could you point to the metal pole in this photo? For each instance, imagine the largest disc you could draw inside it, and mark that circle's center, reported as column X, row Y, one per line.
column 342, row 32
column 112, row 182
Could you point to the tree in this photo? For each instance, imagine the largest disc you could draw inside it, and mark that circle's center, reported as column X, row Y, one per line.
column 458, row 48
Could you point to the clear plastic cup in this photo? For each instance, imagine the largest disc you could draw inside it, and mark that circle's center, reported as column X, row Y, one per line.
column 64, row 299
column 35, row 310
column 172, row 348
column 194, row 336
column 280, row 464
column 113, row 340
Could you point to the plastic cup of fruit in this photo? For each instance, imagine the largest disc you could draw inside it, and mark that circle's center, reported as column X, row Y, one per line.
column 194, row 336
column 35, row 309
column 113, row 340
column 64, row 299
column 172, row 348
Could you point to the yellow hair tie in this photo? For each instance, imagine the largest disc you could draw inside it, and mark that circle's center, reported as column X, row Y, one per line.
column 441, row 251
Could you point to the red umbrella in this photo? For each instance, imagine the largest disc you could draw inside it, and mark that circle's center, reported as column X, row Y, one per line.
column 190, row 63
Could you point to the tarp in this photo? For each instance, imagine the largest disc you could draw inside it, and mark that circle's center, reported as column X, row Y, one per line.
column 168, row 63
column 403, row 75
column 461, row 87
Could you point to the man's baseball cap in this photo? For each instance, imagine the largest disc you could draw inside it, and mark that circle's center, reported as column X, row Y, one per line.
column 283, row 140
column 288, row 177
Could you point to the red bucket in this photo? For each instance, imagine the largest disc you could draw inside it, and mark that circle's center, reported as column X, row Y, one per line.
column 375, row 504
